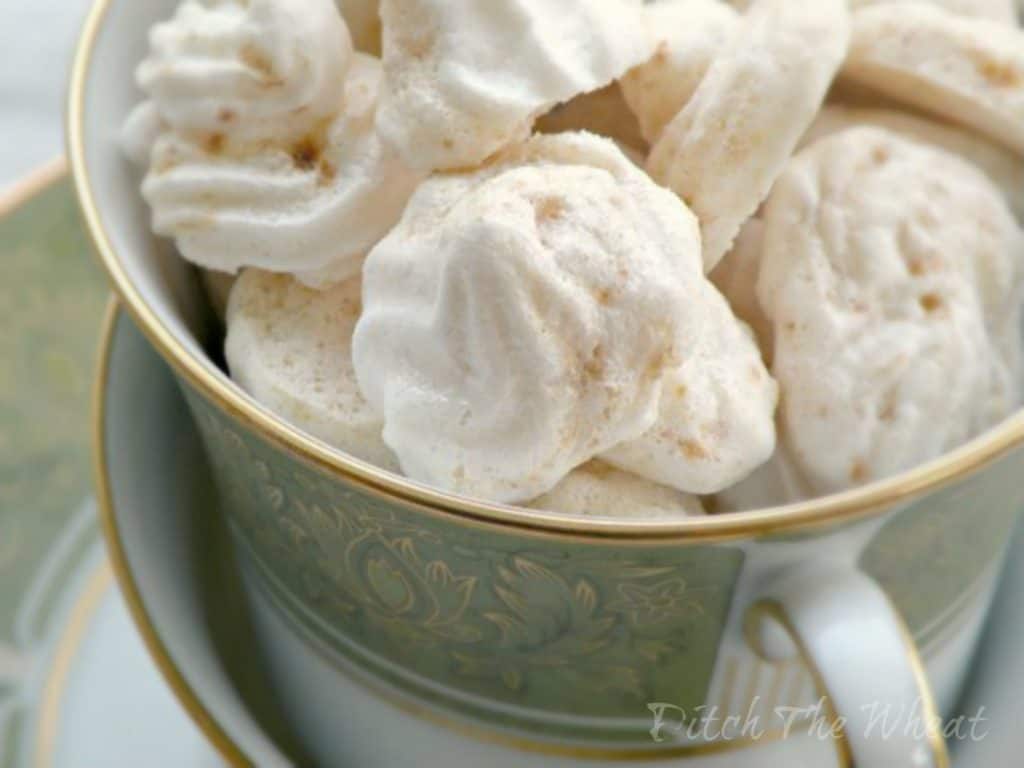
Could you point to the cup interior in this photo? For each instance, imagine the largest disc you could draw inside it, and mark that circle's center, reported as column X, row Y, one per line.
column 166, row 282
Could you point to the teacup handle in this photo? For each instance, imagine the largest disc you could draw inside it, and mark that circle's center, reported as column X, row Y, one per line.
column 863, row 660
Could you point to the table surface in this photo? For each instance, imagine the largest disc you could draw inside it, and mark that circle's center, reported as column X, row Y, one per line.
column 37, row 39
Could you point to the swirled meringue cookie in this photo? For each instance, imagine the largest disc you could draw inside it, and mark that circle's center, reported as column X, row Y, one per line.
column 140, row 132
column 290, row 348
column 970, row 71
column 716, row 422
column 599, row 490
column 362, row 17
column 730, row 142
column 1001, row 165
column 887, row 265
column 690, row 34
column 520, row 319
column 465, row 80
column 312, row 209
column 247, row 70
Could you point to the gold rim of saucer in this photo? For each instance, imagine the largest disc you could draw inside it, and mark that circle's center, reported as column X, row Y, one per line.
column 203, row 375
column 214, row 732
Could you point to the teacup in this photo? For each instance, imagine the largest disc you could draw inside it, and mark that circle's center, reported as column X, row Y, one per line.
column 570, row 637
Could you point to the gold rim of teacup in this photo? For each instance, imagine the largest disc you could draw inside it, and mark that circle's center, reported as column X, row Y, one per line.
column 205, row 377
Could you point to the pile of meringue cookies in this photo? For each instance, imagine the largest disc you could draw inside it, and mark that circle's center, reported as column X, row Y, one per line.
column 605, row 257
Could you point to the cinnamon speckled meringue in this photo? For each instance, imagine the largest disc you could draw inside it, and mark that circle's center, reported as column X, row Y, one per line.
column 970, row 71
column 716, row 422
column 466, row 78
column 311, row 209
column 889, row 271
column 247, row 71
column 520, row 319
column 1001, row 165
column 290, row 348
column 730, row 142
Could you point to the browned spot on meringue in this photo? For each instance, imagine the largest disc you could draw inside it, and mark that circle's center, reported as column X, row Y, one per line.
column 693, row 450
column 306, row 153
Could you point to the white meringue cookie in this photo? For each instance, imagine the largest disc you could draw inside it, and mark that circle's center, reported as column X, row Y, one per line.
column 362, row 17
column 970, row 71
column 290, row 348
column 599, row 490
column 1001, row 165
column 716, row 422
column 466, row 78
column 312, row 210
column 519, row 320
column 727, row 146
column 690, row 34
column 885, row 265
column 140, row 132
column 248, row 70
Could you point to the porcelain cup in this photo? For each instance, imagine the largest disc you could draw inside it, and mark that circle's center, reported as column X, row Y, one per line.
column 851, row 617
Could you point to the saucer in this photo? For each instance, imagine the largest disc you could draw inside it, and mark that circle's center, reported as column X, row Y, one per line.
column 102, row 703
column 172, row 560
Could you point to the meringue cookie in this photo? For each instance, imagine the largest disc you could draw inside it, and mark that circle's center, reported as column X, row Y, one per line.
column 727, row 146
column 1004, row 11
column 290, row 348
column 970, row 71
column 736, row 277
column 140, row 132
column 690, row 34
column 519, row 320
column 312, row 210
column 600, row 490
column 882, row 261
column 716, row 422
column 603, row 112
column 252, row 70
column 464, row 80
column 1003, row 167
column 362, row 17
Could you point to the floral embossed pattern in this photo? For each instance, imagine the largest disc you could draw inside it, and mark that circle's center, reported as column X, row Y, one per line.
column 520, row 629
column 460, row 613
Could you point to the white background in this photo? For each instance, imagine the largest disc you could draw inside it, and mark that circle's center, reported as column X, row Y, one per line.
column 37, row 38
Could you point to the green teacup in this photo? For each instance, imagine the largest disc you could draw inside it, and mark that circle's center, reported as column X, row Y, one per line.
column 570, row 636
